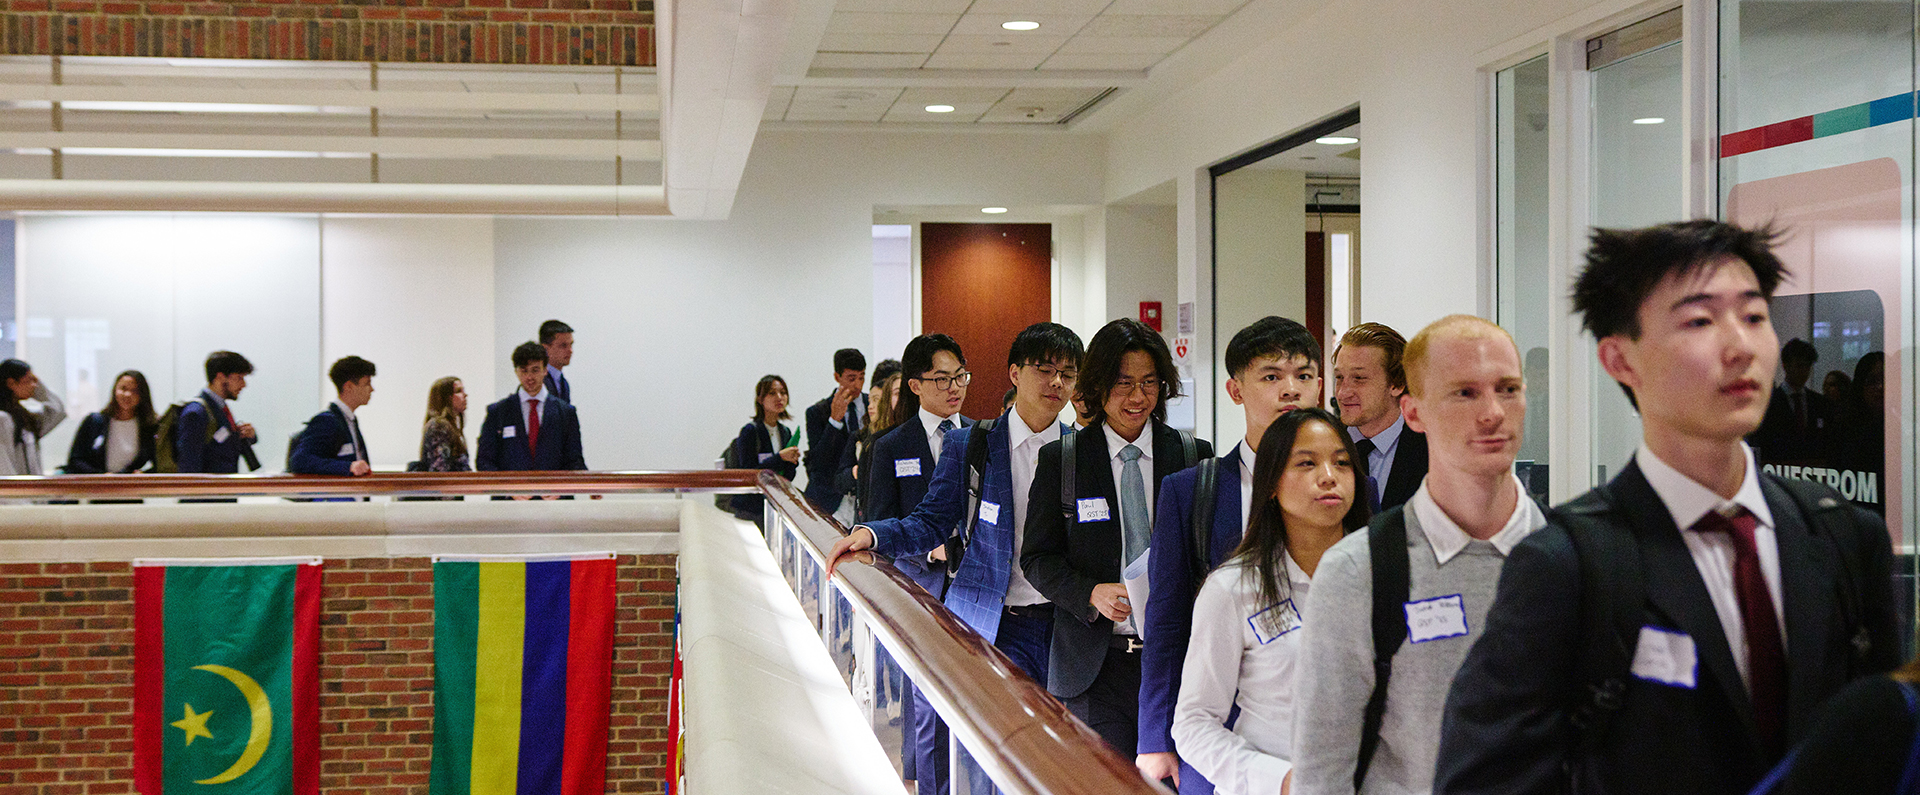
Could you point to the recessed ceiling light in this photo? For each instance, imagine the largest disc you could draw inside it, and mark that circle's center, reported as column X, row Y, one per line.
column 1020, row 24
column 1650, row 120
column 993, row 210
column 1337, row 140
column 939, row 108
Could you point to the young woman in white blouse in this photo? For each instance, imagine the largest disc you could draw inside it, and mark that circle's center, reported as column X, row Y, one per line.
column 20, row 429
column 118, row 438
column 1246, row 618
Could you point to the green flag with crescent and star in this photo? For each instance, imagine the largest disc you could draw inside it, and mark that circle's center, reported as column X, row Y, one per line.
column 225, row 677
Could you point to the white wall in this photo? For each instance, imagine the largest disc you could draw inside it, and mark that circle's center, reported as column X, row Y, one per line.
column 1260, row 257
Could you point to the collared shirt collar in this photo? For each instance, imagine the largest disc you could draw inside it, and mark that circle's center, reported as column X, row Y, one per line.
column 522, row 396
column 1446, row 537
column 1687, row 500
column 1115, row 442
column 344, row 409
column 217, row 399
column 932, row 421
column 1245, row 451
column 1018, row 433
column 1384, row 440
column 553, row 372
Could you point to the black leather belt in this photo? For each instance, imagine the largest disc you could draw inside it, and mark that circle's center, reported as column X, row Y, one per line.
column 1041, row 610
column 1126, row 643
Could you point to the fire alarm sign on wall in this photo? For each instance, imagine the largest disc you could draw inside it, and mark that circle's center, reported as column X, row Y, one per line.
column 1150, row 314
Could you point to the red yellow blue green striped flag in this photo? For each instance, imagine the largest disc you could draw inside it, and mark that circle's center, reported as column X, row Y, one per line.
column 523, row 674
column 226, row 697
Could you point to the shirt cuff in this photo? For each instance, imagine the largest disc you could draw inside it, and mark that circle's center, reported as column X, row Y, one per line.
column 837, row 424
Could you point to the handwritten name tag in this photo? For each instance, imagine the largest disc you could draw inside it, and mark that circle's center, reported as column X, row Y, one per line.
column 1286, row 619
column 989, row 512
column 221, row 436
column 906, row 467
column 1436, row 618
column 764, row 457
column 508, row 432
column 99, row 441
column 1667, row 657
column 1093, row 509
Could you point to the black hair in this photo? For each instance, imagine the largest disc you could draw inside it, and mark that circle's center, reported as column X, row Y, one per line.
column 1006, row 400
column 848, row 359
column 24, row 422
column 551, row 329
column 761, row 389
column 143, row 412
column 527, row 353
column 1273, row 336
column 348, row 370
column 917, row 359
column 1624, row 266
column 221, row 363
column 1263, row 546
column 1100, row 370
column 1045, row 343
column 1799, row 349
column 885, row 368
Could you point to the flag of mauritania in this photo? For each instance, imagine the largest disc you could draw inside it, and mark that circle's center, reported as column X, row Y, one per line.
column 225, row 676
column 523, row 674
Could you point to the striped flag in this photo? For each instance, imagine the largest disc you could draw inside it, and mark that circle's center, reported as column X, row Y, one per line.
column 226, row 697
column 523, row 674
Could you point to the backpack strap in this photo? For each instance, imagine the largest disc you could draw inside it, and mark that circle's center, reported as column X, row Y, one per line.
column 1387, row 549
column 1189, row 449
column 1067, row 461
column 1206, row 483
column 977, row 449
column 1613, row 595
column 1830, row 517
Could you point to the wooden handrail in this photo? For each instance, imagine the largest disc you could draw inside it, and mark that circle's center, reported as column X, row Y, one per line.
column 1019, row 733
column 397, row 483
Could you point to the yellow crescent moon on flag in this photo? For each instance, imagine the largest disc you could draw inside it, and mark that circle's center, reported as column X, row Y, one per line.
column 262, row 731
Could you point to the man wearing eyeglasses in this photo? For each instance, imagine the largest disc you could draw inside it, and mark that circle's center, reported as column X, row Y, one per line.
column 989, row 591
column 936, row 377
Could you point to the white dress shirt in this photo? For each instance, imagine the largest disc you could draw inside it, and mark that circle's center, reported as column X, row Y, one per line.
column 1446, row 537
column 521, row 397
column 1145, row 443
column 936, row 439
column 1238, row 659
column 123, row 443
column 1380, row 461
column 353, row 435
column 1246, row 454
column 1024, row 446
column 1713, row 553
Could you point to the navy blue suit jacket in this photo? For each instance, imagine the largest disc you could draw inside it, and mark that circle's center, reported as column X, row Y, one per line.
column 892, row 495
column 503, row 438
column 754, row 448
column 1171, row 591
column 326, row 446
column 827, row 446
column 558, row 386
column 196, row 449
column 979, row 588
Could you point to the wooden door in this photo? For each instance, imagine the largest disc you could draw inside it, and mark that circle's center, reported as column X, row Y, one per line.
column 981, row 284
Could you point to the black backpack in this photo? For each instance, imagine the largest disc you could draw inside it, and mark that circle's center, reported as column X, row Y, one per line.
column 1189, row 455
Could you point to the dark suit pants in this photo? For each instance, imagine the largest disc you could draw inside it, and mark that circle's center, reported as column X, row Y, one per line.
column 1026, row 637
column 1111, row 705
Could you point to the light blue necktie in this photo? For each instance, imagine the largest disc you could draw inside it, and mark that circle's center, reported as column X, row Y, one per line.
column 1135, row 528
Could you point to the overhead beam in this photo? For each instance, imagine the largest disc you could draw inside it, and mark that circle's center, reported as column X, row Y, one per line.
column 970, row 78
column 132, row 195
column 342, row 144
column 648, row 104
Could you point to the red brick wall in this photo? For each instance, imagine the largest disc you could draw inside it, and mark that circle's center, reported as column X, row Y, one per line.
column 66, row 676
column 550, row 32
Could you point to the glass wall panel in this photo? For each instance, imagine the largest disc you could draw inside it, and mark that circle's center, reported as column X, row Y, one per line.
column 1524, row 296
column 1636, row 180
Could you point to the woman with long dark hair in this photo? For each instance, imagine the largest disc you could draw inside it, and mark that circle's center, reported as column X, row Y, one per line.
column 119, row 437
column 883, row 412
column 443, row 435
column 1246, row 618
column 764, row 443
column 20, row 429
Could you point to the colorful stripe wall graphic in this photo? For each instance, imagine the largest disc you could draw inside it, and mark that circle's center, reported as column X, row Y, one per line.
column 523, row 674
column 1887, row 110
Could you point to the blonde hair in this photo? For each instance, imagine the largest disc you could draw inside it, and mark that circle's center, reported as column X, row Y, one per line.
column 1463, row 327
column 1382, row 336
column 440, row 409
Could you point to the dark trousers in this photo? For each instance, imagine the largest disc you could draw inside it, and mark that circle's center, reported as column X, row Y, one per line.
column 1026, row 637
column 931, row 755
column 1111, row 705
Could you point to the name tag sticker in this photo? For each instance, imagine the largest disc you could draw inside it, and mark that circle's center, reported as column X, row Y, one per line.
column 1667, row 657
column 508, row 432
column 99, row 441
column 764, row 457
column 1093, row 509
column 906, row 467
column 1436, row 618
column 989, row 512
column 1286, row 619
column 221, row 435
column 345, row 449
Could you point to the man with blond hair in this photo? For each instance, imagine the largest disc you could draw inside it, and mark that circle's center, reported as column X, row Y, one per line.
column 1368, row 379
column 1396, row 607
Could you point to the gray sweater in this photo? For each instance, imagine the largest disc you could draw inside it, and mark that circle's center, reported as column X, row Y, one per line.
column 1336, row 666
column 23, row 457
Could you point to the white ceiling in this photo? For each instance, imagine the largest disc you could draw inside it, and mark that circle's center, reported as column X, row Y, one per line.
column 885, row 61
column 1340, row 160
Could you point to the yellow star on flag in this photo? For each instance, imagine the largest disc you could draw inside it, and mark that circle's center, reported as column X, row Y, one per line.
column 194, row 724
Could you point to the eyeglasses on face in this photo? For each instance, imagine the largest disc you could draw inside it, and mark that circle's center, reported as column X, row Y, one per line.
column 1126, row 386
column 944, row 382
column 1049, row 372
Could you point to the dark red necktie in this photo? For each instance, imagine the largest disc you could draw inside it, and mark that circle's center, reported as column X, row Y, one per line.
column 1766, row 654
column 230, row 423
column 533, row 426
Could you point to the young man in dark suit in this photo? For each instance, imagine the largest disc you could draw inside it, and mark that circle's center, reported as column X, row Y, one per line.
column 832, row 424
column 207, row 438
column 557, row 338
column 530, row 430
column 1368, row 381
column 1796, row 428
column 1749, row 601
column 1273, row 367
column 1074, row 554
column 935, row 372
column 331, row 443
column 989, row 591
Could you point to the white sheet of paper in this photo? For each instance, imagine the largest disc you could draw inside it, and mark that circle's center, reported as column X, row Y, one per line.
column 989, row 512
column 1134, row 576
column 906, row 467
column 221, row 435
column 1436, row 618
column 1667, row 657
column 1093, row 509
